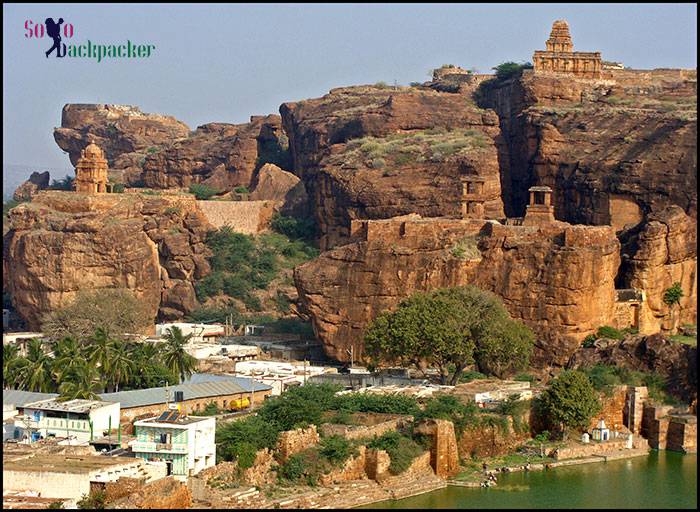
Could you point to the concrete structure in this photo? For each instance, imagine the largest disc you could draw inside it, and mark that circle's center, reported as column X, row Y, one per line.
column 77, row 421
column 472, row 196
column 483, row 391
column 185, row 443
column 197, row 392
column 280, row 375
column 560, row 57
column 601, row 432
column 67, row 475
column 540, row 210
column 201, row 333
column 91, row 171
column 20, row 340
column 234, row 352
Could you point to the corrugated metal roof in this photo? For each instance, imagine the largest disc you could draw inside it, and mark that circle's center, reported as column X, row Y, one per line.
column 198, row 386
column 19, row 398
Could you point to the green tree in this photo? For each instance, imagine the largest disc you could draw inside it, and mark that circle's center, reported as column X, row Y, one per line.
column 116, row 310
column 672, row 298
column 10, row 360
column 122, row 366
column 175, row 358
column 34, row 371
column 67, row 353
column 570, row 400
column 101, row 352
column 81, row 381
column 450, row 329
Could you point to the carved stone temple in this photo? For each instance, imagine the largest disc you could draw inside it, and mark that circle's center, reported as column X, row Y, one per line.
column 91, row 171
column 560, row 57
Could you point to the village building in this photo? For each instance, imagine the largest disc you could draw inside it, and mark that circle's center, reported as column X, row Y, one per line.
column 91, row 171
column 193, row 395
column 20, row 340
column 280, row 375
column 201, row 333
column 30, row 472
column 74, row 421
column 560, row 57
column 484, row 391
column 185, row 443
column 601, row 432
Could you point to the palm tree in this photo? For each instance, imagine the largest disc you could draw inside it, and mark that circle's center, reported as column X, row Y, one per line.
column 101, row 347
column 122, row 365
column 82, row 381
column 67, row 353
column 34, row 373
column 10, row 360
column 175, row 358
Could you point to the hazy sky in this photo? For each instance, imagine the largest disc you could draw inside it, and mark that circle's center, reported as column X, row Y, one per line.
column 227, row 62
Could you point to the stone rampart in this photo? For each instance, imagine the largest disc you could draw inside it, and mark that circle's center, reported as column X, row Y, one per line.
column 294, row 441
column 387, row 423
column 249, row 217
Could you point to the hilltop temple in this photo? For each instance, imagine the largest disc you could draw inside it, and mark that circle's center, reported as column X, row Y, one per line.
column 560, row 57
column 91, row 171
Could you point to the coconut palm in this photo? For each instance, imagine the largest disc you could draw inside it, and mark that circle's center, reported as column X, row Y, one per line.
column 81, row 381
column 10, row 359
column 122, row 366
column 175, row 358
column 101, row 347
column 34, row 371
column 67, row 353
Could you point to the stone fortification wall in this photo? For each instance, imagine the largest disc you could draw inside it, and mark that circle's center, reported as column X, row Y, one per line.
column 682, row 434
column 393, row 422
column 249, row 217
column 294, row 441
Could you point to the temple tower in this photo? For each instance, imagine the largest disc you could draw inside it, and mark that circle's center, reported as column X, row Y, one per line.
column 472, row 197
column 560, row 57
column 91, row 171
column 540, row 210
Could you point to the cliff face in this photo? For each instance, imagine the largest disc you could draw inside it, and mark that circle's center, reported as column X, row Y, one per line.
column 374, row 153
column 64, row 242
column 529, row 268
column 161, row 152
column 611, row 149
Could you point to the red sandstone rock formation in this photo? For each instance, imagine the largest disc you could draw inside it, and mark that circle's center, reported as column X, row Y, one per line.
column 63, row 242
column 27, row 190
column 422, row 141
column 529, row 268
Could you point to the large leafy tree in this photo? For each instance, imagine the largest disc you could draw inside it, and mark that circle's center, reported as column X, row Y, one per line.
column 450, row 328
column 117, row 311
column 570, row 400
column 175, row 358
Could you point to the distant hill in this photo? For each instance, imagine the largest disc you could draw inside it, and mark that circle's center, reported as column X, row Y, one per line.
column 14, row 174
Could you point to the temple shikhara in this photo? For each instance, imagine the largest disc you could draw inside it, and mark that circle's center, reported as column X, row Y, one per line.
column 91, row 171
column 560, row 57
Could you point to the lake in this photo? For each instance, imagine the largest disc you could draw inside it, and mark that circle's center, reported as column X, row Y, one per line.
column 661, row 480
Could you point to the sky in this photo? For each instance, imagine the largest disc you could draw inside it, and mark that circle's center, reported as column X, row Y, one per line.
column 227, row 62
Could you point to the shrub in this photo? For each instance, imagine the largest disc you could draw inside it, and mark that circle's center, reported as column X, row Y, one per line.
column 293, row 468
column 294, row 228
column 252, row 302
column 606, row 331
column 235, row 285
column 94, row 500
column 118, row 188
column 401, row 449
column 525, row 377
column 449, row 407
column 381, row 85
column 368, row 402
column 673, row 294
column 471, row 375
column 336, row 449
column 203, row 192
column 62, row 184
column 589, row 341
column 299, row 406
column 241, row 190
column 237, row 440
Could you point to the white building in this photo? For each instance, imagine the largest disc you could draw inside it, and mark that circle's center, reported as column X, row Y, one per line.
column 200, row 332
column 185, row 443
column 280, row 375
column 77, row 421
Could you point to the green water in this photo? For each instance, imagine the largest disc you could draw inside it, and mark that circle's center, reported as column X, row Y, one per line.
column 661, row 480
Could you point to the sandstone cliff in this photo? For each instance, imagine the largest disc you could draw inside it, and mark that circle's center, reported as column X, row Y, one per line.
column 377, row 152
column 63, row 242
column 529, row 268
column 160, row 151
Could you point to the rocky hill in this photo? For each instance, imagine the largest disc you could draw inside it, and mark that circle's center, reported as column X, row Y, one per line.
column 619, row 152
